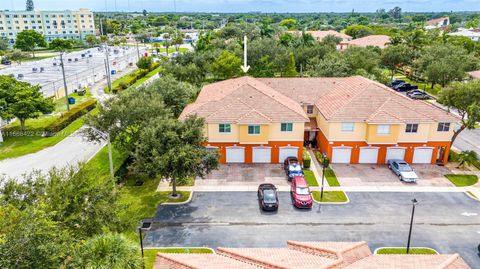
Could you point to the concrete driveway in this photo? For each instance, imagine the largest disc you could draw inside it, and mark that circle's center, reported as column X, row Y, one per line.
column 380, row 175
column 448, row 222
column 244, row 174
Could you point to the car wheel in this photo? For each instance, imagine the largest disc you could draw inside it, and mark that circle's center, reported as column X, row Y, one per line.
column 400, row 177
column 390, row 167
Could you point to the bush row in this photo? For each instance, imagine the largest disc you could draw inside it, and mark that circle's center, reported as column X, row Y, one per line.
column 133, row 77
column 68, row 117
column 306, row 159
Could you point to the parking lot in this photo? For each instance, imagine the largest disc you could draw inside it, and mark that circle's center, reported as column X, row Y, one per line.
column 380, row 175
column 244, row 174
column 447, row 222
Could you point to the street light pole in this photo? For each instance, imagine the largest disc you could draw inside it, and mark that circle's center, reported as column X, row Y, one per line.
column 414, row 202
column 109, row 75
column 64, row 80
column 106, row 136
column 323, row 174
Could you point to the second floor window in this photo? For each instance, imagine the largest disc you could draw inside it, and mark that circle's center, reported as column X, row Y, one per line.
column 411, row 128
column 310, row 109
column 347, row 126
column 443, row 127
column 286, row 127
column 253, row 129
column 224, row 128
column 383, row 129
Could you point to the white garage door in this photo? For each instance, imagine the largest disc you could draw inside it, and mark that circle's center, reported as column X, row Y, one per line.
column 422, row 155
column 235, row 155
column 368, row 155
column 262, row 155
column 395, row 154
column 287, row 152
column 341, row 155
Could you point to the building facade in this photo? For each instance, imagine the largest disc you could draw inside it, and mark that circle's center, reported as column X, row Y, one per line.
column 67, row 24
column 352, row 120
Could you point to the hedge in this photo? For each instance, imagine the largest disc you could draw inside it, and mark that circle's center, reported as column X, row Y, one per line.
column 306, row 159
column 70, row 116
column 130, row 79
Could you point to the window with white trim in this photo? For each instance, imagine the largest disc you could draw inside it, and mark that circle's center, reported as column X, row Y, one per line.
column 224, row 128
column 443, row 127
column 411, row 128
column 348, row 126
column 253, row 129
column 286, row 127
column 383, row 129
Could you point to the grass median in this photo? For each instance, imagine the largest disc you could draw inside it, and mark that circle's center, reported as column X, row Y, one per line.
column 394, row 251
column 462, row 180
column 330, row 197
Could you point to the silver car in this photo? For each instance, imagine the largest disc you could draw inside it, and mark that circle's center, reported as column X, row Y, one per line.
column 402, row 170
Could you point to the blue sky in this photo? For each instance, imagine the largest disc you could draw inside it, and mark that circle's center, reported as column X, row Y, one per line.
column 250, row 5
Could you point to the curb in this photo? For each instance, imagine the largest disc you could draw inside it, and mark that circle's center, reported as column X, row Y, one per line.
column 180, row 203
column 472, row 196
column 211, row 249
column 376, row 250
column 333, row 203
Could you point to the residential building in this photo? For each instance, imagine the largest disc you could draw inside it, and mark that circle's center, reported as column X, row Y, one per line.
column 380, row 41
column 320, row 35
column 353, row 120
column 300, row 255
column 437, row 23
column 66, row 24
column 472, row 34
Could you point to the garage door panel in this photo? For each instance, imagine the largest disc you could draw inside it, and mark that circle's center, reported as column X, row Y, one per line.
column 235, row 155
column 262, row 155
column 341, row 155
column 287, row 152
column 368, row 155
column 395, row 154
column 422, row 155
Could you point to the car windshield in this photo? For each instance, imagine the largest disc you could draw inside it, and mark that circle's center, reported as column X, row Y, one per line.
column 404, row 167
column 302, row 191
column 295, row 167
column 269, row 196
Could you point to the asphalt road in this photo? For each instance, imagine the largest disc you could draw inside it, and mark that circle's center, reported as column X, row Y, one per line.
column 468, row 140
column 447, row 222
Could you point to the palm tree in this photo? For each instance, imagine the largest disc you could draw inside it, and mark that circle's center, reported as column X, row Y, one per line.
column 106, row 251
column 467, row 157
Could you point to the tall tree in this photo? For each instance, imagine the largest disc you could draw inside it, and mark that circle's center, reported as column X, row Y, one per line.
column 291, row 68
column 394, row 56
column 4, row 43
column 465, row 99
column 30, row 6
column 227, row 65
column 62, row 45
column 28, row 40
column 22, row 100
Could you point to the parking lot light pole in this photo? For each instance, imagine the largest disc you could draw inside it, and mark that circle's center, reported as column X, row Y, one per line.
column 64, row 80
column 323, row 174
column 414, row 203
column 107, row 62
column 145, row 225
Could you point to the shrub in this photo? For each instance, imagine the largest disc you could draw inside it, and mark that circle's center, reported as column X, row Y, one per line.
column 319, row 157
column 306, row 159
column 123, row 85
column 69, row 117
column 145, row 63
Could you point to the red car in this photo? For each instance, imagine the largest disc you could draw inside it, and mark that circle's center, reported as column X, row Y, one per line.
column 300, row 192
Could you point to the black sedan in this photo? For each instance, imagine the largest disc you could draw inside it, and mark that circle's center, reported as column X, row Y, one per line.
column 267, row 197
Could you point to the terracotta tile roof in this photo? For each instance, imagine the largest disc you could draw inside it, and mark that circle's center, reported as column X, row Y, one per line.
column 320, row 35
column 475, row 74
column 200, row 261
column 434, row 22
column 305, row 255
column 243, row 99
column 279, row 258
column 380, row 41
column 410, row 262
column 264, row 100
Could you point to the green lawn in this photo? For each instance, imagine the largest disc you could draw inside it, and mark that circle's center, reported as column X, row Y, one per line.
column 404, row 251
column 310, row 177
column 61, row 104
column 170, row 50
column 100, row 163
column 150, row 254
column 15, row 146
column 330, row 196
column 331, row 178
column 462, row 180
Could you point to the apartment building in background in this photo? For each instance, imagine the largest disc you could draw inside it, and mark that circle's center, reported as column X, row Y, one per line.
column 66, row 24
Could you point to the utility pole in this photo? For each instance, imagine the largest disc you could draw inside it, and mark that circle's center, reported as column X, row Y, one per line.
column 64, row 80
column 107, row 62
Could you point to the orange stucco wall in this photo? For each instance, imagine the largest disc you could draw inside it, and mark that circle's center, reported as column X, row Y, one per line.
column 248, row 149
column 326, row 146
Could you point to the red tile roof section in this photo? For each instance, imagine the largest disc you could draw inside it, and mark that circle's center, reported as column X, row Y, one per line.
column 380, row 41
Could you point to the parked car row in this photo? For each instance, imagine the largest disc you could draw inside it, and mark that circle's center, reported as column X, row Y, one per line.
column 411, row 90
column 299, row 189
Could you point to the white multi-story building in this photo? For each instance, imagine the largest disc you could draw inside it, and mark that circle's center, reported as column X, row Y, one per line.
column 67, row 24
column 473, row 34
